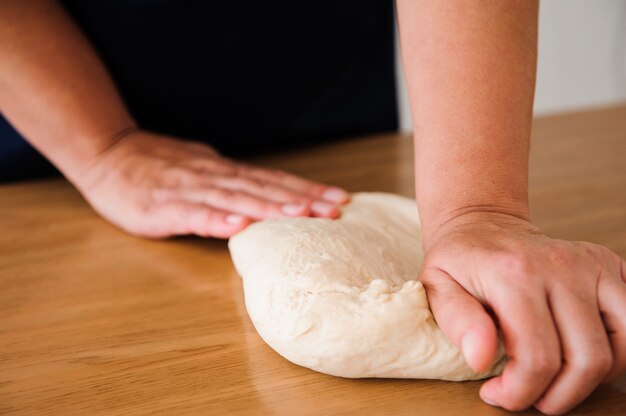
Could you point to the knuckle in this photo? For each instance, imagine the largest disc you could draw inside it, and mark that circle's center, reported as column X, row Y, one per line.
column 211, row 165
column 434, row 285
column 175, row 176
column 241, row 171
column 266, row 207
column 516, row 262
column 315, row 189
column 593, row 366
column 605, row 364
column 160, row 194
column 258, row 206
column 237, row 169
column 559, row 254
column 242, row 182
column 590, row 250
column 426, row 275
column 262, row 185
column 543, row 363
column 202, row 221
column 226, row 194
column 219, row 166
column 302, row 199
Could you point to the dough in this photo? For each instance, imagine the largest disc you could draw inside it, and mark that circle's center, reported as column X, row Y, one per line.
column 341, row 296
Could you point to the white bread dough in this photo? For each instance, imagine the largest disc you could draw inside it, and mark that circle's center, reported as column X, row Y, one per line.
column 341, row 296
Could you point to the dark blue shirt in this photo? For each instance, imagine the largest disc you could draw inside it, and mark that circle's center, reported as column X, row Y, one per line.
column 243, row 76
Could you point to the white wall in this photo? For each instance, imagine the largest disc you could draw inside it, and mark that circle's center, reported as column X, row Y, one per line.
column 582, row 57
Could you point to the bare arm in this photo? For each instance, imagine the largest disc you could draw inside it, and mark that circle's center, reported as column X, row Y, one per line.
column 471, row 77
column 58, row 94
column 560, row 305
column 54, row 88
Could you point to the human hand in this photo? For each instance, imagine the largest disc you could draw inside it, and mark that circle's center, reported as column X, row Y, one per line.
column 560, row 305
column 156, row 186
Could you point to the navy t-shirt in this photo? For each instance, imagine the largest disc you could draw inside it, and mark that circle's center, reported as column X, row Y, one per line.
column 242, row 76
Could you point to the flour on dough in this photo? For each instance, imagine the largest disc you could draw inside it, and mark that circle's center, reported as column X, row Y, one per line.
column 341, row 296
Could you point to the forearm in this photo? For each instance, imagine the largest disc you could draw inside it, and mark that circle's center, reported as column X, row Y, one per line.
column 470, row 70
column 53, row 87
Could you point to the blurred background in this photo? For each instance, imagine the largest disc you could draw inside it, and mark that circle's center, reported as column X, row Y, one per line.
column 582, row 57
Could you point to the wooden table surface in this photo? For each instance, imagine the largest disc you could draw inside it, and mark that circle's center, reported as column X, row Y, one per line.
column 93, row 321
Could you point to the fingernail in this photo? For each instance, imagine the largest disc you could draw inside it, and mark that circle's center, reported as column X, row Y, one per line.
column 336, row 195
column 235, row 218
column 293, row 209
column 323, row 209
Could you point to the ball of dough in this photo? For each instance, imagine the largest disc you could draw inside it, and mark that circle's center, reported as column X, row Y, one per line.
column 341, row 296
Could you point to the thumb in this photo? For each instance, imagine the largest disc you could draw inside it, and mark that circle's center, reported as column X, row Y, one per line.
column 462, row 318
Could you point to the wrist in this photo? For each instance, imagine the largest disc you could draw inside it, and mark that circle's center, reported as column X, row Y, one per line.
column 83, row 164
column 440, row 200
column 478, row 218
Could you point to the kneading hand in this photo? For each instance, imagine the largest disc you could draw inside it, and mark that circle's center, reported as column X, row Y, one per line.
column 560, row 305
column 156, row 186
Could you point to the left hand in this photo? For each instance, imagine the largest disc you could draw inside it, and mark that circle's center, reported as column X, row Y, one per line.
column 560, row 305
column 157, row 186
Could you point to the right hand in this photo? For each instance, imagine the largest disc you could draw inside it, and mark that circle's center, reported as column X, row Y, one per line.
column 560, row 307
column 156, row 186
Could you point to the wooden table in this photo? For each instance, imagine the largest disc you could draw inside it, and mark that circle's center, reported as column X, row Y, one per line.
column 93, row 321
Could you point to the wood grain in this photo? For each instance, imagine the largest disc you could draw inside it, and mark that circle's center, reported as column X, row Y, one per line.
column 93, row 321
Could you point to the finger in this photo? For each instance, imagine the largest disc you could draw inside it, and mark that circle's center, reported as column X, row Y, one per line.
column 586, row 351
column 530, row 341
column 462, row 318
column 183, row 217
column 243, row 203
column 612, row 301
column 275, row 193
column 259, row 188
column 213, row 165
column 301, row 185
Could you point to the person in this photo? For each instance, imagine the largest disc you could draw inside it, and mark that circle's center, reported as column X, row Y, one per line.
column 106, row 91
